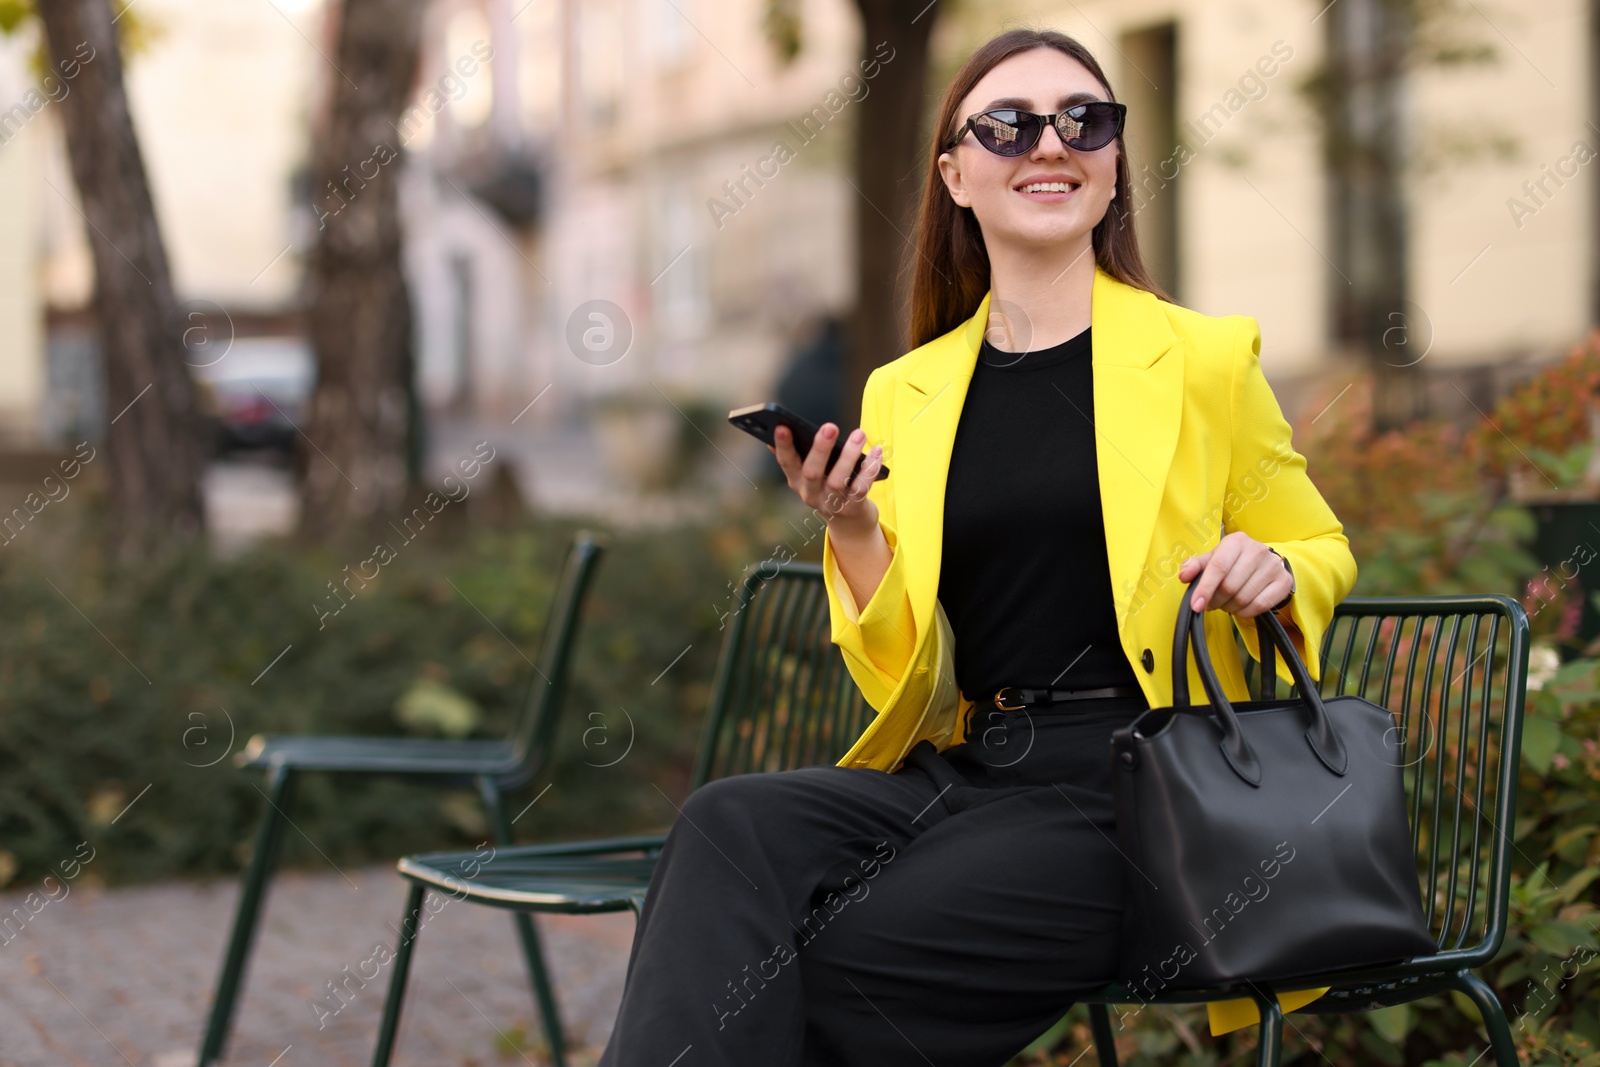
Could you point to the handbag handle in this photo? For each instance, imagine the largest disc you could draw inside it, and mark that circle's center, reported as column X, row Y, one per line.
column 1267, row 688
column 1320, row 735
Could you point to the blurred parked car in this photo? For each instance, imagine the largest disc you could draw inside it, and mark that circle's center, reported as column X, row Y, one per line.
column 256, row 394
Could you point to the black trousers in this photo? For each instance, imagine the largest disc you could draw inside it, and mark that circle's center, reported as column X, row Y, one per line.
column 946, row 914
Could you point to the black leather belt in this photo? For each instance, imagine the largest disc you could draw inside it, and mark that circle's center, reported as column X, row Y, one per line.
column 1011, row 698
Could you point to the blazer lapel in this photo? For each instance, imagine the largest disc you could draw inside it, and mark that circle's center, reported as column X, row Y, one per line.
column 1138, row 395
column 927, row 410
column 1138, row 405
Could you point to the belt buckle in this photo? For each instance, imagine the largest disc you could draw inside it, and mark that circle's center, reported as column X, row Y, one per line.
column 999, row 700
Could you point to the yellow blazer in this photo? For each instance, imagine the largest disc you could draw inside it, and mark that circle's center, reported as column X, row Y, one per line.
column 1190, row 444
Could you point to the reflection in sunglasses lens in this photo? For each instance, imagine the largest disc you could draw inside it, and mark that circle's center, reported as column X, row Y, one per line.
column 1007, row 132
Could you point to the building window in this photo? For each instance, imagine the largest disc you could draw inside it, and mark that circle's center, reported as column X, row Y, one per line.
column 1152, row 139
column 461, row 334
column 1362, row 115
column 682, row 304
column 671, row 36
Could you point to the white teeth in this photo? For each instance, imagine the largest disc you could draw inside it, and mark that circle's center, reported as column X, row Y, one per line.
column 1049, row 187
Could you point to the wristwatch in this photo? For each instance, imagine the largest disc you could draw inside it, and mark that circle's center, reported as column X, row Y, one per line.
column 1280, row 605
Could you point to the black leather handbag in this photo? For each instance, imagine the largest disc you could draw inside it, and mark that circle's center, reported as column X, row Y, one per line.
column 1266, row 839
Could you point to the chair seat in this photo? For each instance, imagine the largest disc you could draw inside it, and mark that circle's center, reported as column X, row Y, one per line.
column 574, row 877
column 380, row 755
column 1356, row 989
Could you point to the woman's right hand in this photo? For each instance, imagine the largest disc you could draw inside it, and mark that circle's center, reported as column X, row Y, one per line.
column 843, row 505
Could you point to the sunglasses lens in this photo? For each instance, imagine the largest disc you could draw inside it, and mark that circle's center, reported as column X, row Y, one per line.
column 1089, row 126
column 1006, row 132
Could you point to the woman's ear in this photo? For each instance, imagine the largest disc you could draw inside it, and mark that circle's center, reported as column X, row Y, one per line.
column 950, row 171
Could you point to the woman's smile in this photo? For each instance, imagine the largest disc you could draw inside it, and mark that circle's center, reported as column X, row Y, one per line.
column 1048, row 188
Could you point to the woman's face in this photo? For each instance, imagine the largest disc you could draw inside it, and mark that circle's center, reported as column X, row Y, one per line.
column 1015, row 198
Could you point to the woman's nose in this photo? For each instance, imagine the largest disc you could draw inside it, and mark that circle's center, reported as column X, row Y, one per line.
column 1050, row 143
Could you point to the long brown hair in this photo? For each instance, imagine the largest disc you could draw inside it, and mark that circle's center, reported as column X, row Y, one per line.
column 948, row 261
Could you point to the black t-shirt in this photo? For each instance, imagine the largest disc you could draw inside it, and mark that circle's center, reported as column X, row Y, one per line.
column 1024, row 578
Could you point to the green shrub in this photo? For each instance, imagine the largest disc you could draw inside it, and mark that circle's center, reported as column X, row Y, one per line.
column 1425, row 508
column 131, row 685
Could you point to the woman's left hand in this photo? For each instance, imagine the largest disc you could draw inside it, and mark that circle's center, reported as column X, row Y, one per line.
column 1241, row 574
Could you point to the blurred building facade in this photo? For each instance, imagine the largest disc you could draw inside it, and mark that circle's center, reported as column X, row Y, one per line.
column 22, row 366
column 621, row 214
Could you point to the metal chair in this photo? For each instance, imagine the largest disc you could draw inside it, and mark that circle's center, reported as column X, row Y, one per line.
column 1454, row 669
column 492, row 767
column 782, row 699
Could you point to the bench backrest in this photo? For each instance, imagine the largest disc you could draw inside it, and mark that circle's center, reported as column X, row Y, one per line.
column 1453, row 670
column 782, row 697
column 534, row 734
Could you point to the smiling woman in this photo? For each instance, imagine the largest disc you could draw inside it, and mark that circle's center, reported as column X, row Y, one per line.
column 1061, row 432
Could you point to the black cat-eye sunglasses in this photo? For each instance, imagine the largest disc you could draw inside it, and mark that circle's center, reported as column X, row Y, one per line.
column 1006, row 131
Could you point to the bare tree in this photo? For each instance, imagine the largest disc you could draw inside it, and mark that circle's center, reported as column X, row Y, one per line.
column 154, row 443
column 361, row 414
column 886, row 172
column 889, row 133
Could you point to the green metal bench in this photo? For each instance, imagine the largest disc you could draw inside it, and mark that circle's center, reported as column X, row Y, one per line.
column 493, row 767
column 1453, row 668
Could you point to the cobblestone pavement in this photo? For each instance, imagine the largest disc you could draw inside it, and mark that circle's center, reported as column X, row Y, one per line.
column 123, row 977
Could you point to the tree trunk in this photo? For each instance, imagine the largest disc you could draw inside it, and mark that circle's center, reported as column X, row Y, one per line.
column 360, row 315
column 888, row 178
column 154, row 443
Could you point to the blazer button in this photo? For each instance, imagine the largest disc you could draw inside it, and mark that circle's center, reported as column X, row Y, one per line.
column 1149, row 661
